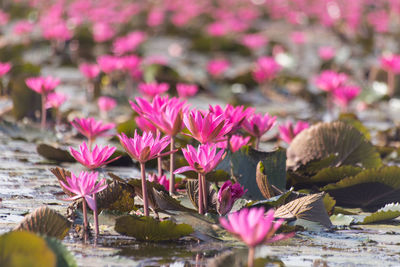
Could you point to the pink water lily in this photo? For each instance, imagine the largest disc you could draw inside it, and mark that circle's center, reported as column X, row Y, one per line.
column 391, row 63
column 145, row 125
column 254, row 228
column 342, row 96
column 55, row 100
column 227, row 195
column 288, row 131
column 93, row 159
column 90, row 71
column 232, row 115
column 91, row 128
column 326, row 52
column 161, row 180
column 217, row 67
column 266, row 69
column 150, row 90
column 235, row 143
column 330, row 80
column 106, row 103
column 257, row 125
column 186, row 90
column 207, row 127
column 4, row 68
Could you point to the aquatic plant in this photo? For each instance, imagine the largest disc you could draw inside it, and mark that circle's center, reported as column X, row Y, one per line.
column 257, row 125
column 91, row 128
column 227, row 195
column 288, row 131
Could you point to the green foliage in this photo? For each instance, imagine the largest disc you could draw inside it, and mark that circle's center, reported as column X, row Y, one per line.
column 64, row 257
column 54, row 153
column 388, row 212
column 149, row 229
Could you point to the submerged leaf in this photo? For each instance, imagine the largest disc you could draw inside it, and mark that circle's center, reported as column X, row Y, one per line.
column 45, row 221
column 54, row 153
column 388, row 212
column 149, row 229
column 23, row 248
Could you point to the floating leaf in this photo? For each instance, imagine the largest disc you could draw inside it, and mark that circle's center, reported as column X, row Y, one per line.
column 23, row 248
column 149, row 229
column 309, row 207
column 64, row 257
column 45, row 221
column 329, row 203
column 62, row 175
column 117, row 196
column 272, row 202
column 325, row 139
column 341, row 219
column 388, row 212
column 54, row 153
column 352, row 119
column 370, row 189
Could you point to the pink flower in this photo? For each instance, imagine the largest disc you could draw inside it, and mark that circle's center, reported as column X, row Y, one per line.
column 144, row 148
column 253, row 228
column 42, row 85
column 108, row 63
column 4, row 18
column 326, row 52
column 298, row 37
column 237, row 142
column 93, row 159
column 227, row 195
column 206, row 128
column 186, row 90
column 287, row 132
column 91, row 128
column 152, row 89
column 84, row 186
column 343, row 95
column 379, row 19
column 129, row 42
column 330, row 80
column 58, row 32
column 257, row 124
column 55, row 100
column 217, row 67
column 145, row 125
column 254, row 40
column 233, row 115
column 90, row 71
column 130, row 62
column 143, row 106
column 4, row 68
column 23, row 27
column 161, row 180
column 217, row 28
column 266, row 69
column 155, row 17
column 106, row 103
column 203, row 160
column 391, row 63
column 102, row 32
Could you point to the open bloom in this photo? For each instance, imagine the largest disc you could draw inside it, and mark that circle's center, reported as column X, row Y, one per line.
column 4, row 68
column 227, row 195
column 129, row 42
column 152, row 89
column 106, row 103
column 266, row 69
column 257, row 124
column 84, row 186
column 144, row 148
column 161, row 180
column 217, row 66
column 55, row 100
column 93, row 159
column 23, row 27
column 90, row 71
column 391, row 63
column 254, row 40
column 91, row 128
column 186, row 90
column 287, row 132
column 233, row 115
column 206, row 128
column 326, row 52
column 203, row 160
column 253, row 228
column 42, row 85
column 330, row 80
column 235, row 143
column 342, row 96
column 145, row 125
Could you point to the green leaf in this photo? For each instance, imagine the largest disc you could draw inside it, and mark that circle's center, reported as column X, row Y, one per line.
column 23, row 248
column 352, row 119
column 54, row 153
column 64, row 257
column 329, row 203
column 341, row 220
column 334, row 174
column 149, row 229
column 118, row 196
column 370, row 189
column 337, row 138
column 272, row 202
column 388, row 212
column 45, row 221
column 127, row 127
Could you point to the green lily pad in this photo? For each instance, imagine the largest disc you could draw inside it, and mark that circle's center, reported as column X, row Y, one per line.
column 149, row 229
column 370, row 189
column 341, row 220
column 117, row 196
column 64, row 257
column 45, row 221
column 23, row 248
column 388, row 212
column 54, row 153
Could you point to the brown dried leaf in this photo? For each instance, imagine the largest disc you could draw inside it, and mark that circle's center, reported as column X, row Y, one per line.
column 61, row 175
column 262, row 182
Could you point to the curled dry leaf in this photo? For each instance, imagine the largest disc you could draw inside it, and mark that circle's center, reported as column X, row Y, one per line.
column 262, row 182
column 192, row 190
column 61, row 175
column 45, row 221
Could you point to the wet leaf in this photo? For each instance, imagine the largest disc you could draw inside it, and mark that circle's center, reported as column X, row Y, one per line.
column 370, row 189
column 64, row 257
column 149, row 229
column 326, row 139
column 45, row 221
column 329, row 203
column 310, row 207
column 23, row 248
column 341, row 219
column 388, row 212
column 193, row 194
column 54, row 153
column 273, row 202
column 62, row 175
column 352, row 119
column 117, row 196
column 166, row 202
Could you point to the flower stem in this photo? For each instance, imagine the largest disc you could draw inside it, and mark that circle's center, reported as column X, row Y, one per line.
column 200, row 195
column 257, row 142
column 95, row 217
column 85, row 220
column 172, row 168
column 144, row 190
column 43, row 118
column 204, row 187
column 250, row 257
column 391, row 83
column 90, row 143
column 159, row 162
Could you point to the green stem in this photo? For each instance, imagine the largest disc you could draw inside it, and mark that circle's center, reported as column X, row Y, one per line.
column 257, row 142
column 144, row 189
column 172, row 168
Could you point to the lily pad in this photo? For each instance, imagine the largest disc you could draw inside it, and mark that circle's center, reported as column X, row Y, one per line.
column 352, row 119
column 23, row 248
column 370, row 189
column 62, row 175
column 149, row 229
column 341, row 219
column 388, row 212
column 54, row 153
column 117, row 196
column 64, row 257
column 337, row 138
column 45, row 221
column 272, row 202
